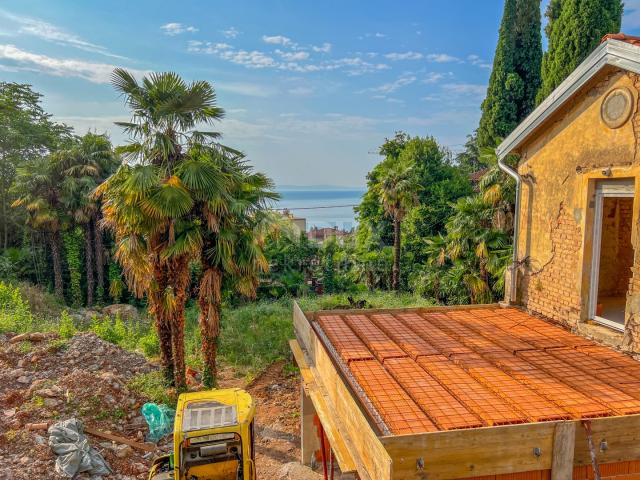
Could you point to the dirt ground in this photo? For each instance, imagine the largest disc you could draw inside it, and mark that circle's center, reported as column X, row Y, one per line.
column 45, row 380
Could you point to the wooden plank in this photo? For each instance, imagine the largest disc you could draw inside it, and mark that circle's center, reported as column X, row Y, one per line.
column 332, row 425
column 471, row 453
column 145, row 447
column 620, row 434
column 564, row 443
column 302, row 329
column 368, row 453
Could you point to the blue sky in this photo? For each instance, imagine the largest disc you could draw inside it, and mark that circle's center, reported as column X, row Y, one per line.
column 311, row 89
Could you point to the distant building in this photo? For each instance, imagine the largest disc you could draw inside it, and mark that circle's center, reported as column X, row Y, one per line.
column 322, row 234
column 299, row 222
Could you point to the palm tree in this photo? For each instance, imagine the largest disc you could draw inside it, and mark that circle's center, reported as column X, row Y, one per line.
column 149, row 206
column 238, row 223
column 398, row 190
column 87, row 164
column 38, row 190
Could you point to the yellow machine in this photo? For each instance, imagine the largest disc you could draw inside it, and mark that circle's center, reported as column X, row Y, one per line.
column 212, row 438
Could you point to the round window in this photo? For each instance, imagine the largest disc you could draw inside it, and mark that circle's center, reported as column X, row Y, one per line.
column 617, row 107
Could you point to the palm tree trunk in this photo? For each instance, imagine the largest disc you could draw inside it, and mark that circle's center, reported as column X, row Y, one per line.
column 54, row 243
column 396, row 255
column 99, row 258
column 88, row 257
column 209, row 300
column 179, row 276
column 162, row 320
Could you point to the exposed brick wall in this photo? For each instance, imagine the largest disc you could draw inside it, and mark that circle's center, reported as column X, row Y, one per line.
column 551, row 290
column 616, row 251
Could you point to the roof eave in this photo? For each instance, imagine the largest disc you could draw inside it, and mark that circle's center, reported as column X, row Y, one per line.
column 612, row 52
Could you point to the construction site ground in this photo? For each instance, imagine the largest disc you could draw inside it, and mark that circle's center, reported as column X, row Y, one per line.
column 44, row 380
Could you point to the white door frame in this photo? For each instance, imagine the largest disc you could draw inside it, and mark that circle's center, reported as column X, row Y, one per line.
column 605, row 189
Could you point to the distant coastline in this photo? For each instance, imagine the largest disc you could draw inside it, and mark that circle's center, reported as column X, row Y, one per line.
column 304, row 200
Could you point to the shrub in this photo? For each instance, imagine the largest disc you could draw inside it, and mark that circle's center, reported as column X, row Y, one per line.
column 66, row 327
column 14, row 310
column 108, row 330
column 149, row 344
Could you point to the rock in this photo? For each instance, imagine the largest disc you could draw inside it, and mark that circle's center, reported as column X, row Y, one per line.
column 51, row 402
column 22, row 363
column 40, row 440
column 31, row 337
column 294, row 470
column 123, row 451
column 10, row 412
column 122, row 310
column 23, row 379
column 20, row 338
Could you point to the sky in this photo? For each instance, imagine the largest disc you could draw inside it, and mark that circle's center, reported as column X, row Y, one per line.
column 311, row 89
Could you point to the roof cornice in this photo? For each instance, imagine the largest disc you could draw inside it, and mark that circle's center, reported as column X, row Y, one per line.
column 611, row 52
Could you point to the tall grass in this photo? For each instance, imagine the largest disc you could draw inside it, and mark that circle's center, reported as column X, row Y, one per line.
column 253, row 335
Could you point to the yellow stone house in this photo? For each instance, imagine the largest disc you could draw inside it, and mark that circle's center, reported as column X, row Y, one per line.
column 577, row 257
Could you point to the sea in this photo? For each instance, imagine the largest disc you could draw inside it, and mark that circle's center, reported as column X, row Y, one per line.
column 322, row 207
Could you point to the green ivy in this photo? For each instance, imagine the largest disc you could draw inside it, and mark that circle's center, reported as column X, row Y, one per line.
column 73, row 240
column 116, row 285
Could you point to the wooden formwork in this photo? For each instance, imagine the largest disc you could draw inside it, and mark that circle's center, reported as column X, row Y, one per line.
column 556, row 447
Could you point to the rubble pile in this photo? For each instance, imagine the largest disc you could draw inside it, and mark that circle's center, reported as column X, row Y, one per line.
column 44, row 380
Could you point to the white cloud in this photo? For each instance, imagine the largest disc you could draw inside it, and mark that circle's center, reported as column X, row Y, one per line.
column 466, row 89
column 404, row 56
column 379, row 35
column 289, row 61
column 435, row 77
column 277, row 40
column 51, row 33
column 231, row 32
column 442, row 58
column 631, row 17
column 477, row 61
column 391, row 87
column 324, row 48
column 175, row 28
column 293, row 56
column 59, row 67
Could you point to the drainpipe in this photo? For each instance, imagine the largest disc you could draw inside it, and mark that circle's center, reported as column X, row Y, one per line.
column 516, row 226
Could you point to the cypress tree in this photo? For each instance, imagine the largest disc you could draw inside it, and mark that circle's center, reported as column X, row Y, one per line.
column 574, row 30
column 515, row 78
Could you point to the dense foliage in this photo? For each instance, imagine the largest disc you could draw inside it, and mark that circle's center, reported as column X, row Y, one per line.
column 574, row 29
column 515, row 78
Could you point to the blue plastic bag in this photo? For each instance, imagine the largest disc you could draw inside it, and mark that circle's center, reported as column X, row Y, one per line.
column 160, row 420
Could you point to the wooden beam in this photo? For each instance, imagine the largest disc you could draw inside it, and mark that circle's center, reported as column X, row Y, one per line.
column 616, row 439
column 564, row 443
column 368, row 453
column 471, row 453
column 332, row 425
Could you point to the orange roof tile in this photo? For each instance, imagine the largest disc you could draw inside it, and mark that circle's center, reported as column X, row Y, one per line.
column 622, row 37
column 442, row 370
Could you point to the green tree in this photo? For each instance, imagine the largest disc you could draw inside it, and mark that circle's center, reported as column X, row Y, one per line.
column 574, row 29
column 149, row 205
column 515, row 78
column 38, row 190
column 398, row 191
column 86, row 164
column 26, row 132
column 232, row 256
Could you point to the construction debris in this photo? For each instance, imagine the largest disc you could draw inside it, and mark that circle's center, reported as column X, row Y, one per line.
column 74, row 453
